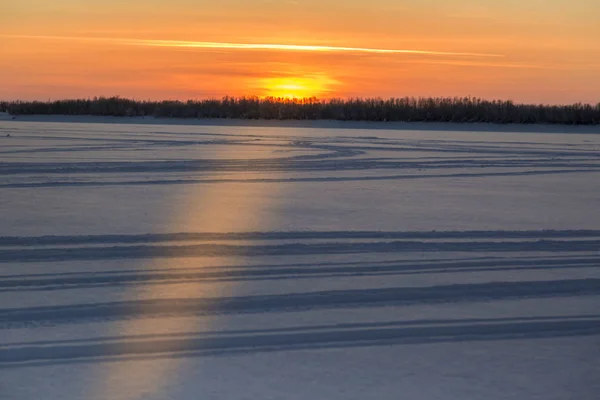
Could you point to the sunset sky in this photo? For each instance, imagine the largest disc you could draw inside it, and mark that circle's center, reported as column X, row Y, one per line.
column 527, row 50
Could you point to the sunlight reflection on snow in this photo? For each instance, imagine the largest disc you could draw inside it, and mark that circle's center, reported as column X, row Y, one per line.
column 204, row 209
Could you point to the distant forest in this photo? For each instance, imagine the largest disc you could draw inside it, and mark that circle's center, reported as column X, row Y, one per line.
column 409, row 109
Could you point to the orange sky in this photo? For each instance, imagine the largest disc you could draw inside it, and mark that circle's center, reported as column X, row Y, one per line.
column 527, row 50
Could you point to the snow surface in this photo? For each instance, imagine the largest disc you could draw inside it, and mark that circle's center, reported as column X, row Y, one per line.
column 327, row 261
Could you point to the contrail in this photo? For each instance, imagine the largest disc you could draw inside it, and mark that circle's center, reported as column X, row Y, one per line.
column 295, row 47
column 254, row 46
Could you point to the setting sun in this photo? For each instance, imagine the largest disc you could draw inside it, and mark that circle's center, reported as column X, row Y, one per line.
column 297, row 87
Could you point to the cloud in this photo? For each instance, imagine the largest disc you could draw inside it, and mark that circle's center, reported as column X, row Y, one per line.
column 255, row 46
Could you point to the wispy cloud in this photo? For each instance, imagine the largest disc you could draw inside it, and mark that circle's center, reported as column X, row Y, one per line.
column 255, row 46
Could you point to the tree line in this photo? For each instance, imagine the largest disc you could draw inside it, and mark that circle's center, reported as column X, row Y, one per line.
column 408, row 109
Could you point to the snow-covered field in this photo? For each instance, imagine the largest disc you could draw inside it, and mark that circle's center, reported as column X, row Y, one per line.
column 148, row 261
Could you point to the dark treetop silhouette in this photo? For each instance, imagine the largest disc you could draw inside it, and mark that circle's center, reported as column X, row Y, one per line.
column 409, row 109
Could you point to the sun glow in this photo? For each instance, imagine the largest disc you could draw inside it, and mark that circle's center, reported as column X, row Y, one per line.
column 297, row 87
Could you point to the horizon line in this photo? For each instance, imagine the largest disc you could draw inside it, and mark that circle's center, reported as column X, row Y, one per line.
column 299, row 99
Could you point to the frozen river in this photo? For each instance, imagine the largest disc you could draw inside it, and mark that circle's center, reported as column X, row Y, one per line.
column 150, row 261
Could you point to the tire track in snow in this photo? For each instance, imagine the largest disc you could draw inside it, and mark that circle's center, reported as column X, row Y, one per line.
column 289, row 235
column 109, row 311
column 222, row 344
column 264, row 273
column 249, row 250
column 70, row 183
